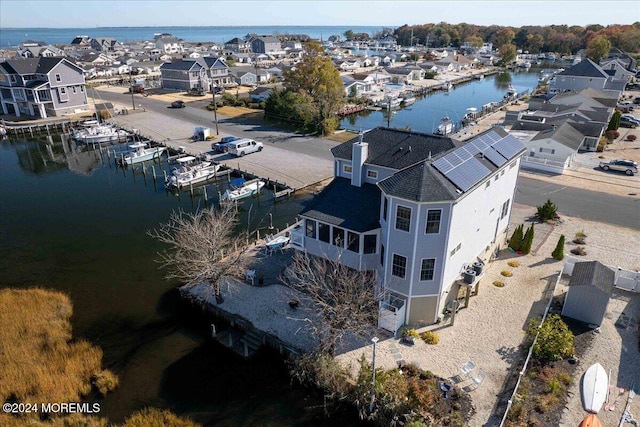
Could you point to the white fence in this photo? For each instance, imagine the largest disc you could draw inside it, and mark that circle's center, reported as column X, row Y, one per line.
column 553, row 166
column 624, row 279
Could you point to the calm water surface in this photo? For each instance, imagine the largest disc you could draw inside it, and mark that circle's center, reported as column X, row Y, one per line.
column 425, row 114
column 71, row 221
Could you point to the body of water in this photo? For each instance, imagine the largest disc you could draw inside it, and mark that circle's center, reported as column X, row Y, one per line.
column 15, row 36
column 71, row 221
column 426, row 113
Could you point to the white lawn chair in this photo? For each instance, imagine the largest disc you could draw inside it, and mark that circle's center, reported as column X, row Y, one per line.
column 478, row 378
column 468, row 368
column 249, row 276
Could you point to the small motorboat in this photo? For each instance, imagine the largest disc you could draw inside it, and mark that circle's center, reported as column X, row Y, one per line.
column 190, row 172
column 445, row 127
column 140, row 152
column 247, row 190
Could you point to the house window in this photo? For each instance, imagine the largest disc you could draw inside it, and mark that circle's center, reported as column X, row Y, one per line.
column 347, row 169
column 547, row 150
column 381, row 254
column 399, row 266
column 58, row 78
column 338, row 237
column 353, row 242
column 385, row 208
column 372, row 174
column 488, row 184
column 310, row 228
column 370, row 243
column 433, row 221
column 62, row 92
column 403, row 218
column 505, row 209
column 323, row 232
column 427, row 269
column 74, row 89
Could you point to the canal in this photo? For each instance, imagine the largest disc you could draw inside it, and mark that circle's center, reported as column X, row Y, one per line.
column 71, row 221
column 426, row 113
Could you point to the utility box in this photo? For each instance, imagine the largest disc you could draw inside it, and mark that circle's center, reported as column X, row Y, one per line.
column 201, row 133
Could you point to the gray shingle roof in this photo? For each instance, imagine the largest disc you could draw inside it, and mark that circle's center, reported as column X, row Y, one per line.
column 347, row 206
column 181, row 64
column 419, row 183
column 585, row 68
column 592, row 273
column 564, row 134
column 40, row 65
column 396, row 149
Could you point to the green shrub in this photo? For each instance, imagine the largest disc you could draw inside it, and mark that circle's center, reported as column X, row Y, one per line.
column 555, row 340
column 515, row 242
column 558, row 252
column 430, row 337
column 547, row 212
column 527, row 242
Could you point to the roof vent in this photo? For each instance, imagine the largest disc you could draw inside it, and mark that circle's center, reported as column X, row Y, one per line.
column 429, row 158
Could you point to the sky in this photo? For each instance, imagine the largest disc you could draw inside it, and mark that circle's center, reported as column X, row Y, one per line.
column 389, row 13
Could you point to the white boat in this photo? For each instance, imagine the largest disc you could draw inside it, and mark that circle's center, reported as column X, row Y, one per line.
column 511, row 92
column 594, row 388
column 390, row 103
column 445, row 127
column 139, row 152
column 96, row 133
column 448, row 86
column 190, row 172
column 408, row 100
column 246, row 190
column 525, row 64
column 478, row 76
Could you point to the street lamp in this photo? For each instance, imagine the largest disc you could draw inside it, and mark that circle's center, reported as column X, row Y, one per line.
column 374, row 340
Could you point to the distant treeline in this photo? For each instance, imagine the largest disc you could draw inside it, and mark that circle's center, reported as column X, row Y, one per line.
column 562, row 39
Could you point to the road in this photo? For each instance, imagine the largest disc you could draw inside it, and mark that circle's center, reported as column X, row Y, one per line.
column 571, row 201
column 576, row 202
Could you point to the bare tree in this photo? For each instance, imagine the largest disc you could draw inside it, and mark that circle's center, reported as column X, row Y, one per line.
column 345, row 300
column 204, row 245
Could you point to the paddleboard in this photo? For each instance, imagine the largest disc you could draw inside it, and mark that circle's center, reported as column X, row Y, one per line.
column 591, row 421
column 594, row 388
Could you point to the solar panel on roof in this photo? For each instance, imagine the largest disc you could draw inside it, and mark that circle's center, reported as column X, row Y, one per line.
column 494, row 157
column 508, row 146
column 462, row 154
column 468, row 174
column 442, row 165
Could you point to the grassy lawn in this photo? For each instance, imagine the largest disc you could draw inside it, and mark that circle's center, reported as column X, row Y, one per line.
column 241, row 113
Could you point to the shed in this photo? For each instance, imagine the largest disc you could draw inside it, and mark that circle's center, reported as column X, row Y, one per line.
column 589, row 291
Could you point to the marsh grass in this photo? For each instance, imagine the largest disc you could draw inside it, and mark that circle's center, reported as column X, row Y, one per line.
column 39, row 361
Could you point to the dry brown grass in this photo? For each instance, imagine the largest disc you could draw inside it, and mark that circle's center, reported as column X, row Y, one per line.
column 342, row 136
column 241, row 112
column 38, row 360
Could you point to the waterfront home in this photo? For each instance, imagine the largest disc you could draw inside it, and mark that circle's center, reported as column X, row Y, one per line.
column 238, row 45
column 169, row 44
column 416, row 209
column 42, row 87
column 243, row 76
column 353, row 87
column 33, row 49
column 585, row 74
column 265, row 44
column 106, row 44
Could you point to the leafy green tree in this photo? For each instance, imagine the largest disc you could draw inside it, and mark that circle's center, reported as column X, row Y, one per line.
column 555, row 340
column 547, row 211
column 504, row 36
column 507, row 53
column 598, row 47
column 527, row 242
column 515, row 242
column 558, row 252
column 348, row 34
column 317, row 77
column 614, row 123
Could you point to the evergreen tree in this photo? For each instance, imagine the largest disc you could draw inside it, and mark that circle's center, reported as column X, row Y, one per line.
column 558, row 252
column 614, row 123
column 515, row 242
column 528, row 240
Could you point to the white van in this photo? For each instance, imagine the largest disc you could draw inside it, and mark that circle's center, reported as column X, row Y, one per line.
column 241, row 147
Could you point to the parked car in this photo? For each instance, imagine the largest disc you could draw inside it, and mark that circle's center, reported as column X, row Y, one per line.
column 627, row 166
column 244, row 146
column 178, row 104
column 136, row 89
column 196, row 92
column 223, row 145
column 218, row 90
column 629, row 117
column 625, row 107
column 627, row 122
column 636, row 100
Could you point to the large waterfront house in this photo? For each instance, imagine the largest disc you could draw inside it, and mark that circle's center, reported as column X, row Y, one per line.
column 583, row 75
column 42, row 87
column 198, row 73
column 416, row 209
